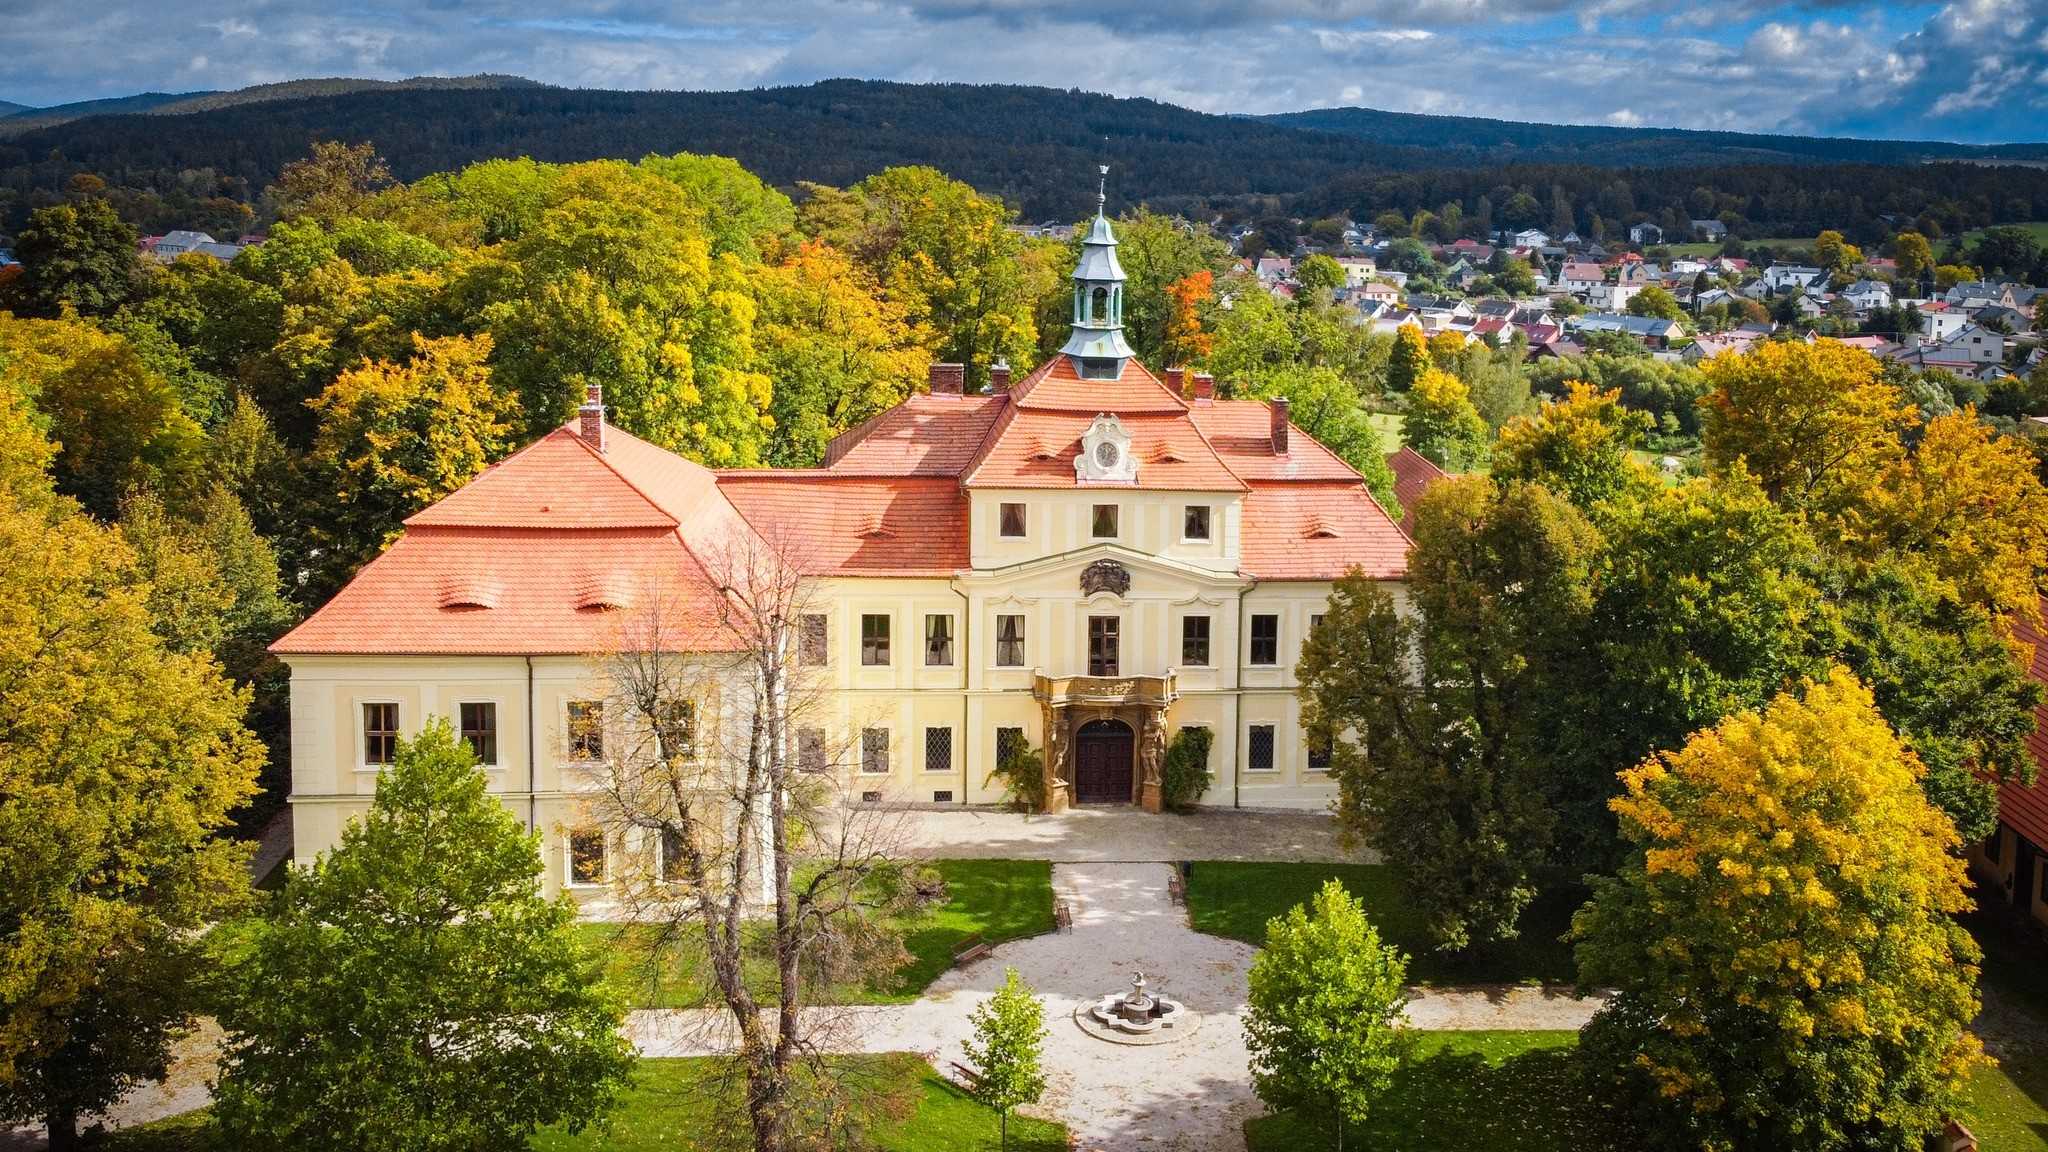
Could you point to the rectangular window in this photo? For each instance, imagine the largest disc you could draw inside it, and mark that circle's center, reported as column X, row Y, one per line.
column 874, row 640
column 1011, row 518
column 812, row 651
column 1194, row 524
column 874, row 750
column 1009, row 744
column 1194, row 641
column 1009, row 641
column 480, row 730
column 1105, row 522
column 1259, row 755
column 1102, row 646
column 586, row 857
column 1265, row 639
column 810, row 750
column 586, row 730
column 1318, row 753
column 380, row 733
column 679, row 728
column 938, row 749
column 938, row 641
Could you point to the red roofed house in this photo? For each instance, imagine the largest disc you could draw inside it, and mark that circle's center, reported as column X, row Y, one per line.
column 1414, row 473
column 1086, row 562
column 2014, row 860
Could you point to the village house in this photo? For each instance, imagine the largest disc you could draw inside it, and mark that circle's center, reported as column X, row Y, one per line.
column 2012, row 863
column 1611, row 297
column 1578, row 277
column 1084, row 562
column 1645, row 233
column 171, row 245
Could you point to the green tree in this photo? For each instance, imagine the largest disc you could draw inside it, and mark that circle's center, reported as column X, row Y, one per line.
column 413, row 989
column 1009, row 1031
column 1786, row 968
column 742, row 215
column 942, row 249
column 1442, row 424
column 1317, row 276
column 1157, row 253
column 120, row 759
column 1655, row 301
column 335, row 181
column 1322, row 1017
column 1185, row 775
column 79, row 255
column 1453, row 701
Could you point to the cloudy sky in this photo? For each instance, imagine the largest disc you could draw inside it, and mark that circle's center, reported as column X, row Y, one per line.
column 1973, row 70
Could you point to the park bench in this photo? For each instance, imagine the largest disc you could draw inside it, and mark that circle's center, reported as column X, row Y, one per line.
column 971, row 949
column 1062, row 917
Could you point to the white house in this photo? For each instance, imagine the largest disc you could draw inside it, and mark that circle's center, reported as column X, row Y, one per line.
column 1611, row 297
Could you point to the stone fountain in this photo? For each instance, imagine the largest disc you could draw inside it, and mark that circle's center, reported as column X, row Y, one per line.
column 1139, row 1016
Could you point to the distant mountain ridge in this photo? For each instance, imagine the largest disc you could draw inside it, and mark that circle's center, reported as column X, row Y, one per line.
column 1475, row 140
column 17, row 118
column 1035, row 147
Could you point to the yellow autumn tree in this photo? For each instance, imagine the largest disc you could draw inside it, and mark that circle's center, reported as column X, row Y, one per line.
column 1444, row 348
column 396, row 436
column 1442, row 423
column 1786, row 968
column 1408, row 360
column 1967, row 502
column 1801, row 417
column 1578, row 446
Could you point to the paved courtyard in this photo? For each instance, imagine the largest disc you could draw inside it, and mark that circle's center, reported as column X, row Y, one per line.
column 1127, row 835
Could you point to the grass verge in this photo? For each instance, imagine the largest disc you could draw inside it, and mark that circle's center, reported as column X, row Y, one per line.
column 1236, row 899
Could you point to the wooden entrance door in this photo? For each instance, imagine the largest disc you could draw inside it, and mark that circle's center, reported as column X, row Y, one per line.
column 1102, row 763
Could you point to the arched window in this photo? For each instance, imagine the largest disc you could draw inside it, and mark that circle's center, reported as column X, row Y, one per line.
column 1099, row 305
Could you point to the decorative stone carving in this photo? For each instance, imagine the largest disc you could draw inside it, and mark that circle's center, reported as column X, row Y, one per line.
column 1105, row 454
column 1105, row 576
column 1152, row 761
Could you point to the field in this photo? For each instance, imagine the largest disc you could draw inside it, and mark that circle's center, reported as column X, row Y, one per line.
column 2039, row 228
column 1776, row 243
column 995, row 899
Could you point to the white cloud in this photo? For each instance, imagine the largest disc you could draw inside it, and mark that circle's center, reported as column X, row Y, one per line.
column 1974, row 69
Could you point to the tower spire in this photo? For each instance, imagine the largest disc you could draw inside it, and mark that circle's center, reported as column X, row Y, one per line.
column 1096, row 344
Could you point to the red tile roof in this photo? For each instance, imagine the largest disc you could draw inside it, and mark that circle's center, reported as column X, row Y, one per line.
column 1413, row 474
column 856, row 525
column 926, row 435
column 1055, row 385
column 2025, row 807
column 1036, row 449
column 1319, row 531
column 1241, row 431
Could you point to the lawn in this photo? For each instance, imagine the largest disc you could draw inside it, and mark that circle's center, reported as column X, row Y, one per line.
column 670, row 1106
column 1388, row 425
column 995, row 899
column 1234, row 899
column 2009, row 1106
column 1517, row 1092
column 1715, row 248
column 1498, row 1091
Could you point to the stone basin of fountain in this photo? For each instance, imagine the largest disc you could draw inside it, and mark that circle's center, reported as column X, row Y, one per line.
column 1139, row 1016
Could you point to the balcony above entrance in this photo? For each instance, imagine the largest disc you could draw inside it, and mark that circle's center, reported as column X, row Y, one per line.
column 1105, row 691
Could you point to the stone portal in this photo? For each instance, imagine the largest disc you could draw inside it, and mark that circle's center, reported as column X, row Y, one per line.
column 1110, row 730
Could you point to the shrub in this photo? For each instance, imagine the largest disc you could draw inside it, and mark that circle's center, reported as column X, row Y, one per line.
column 1023, row 775
column 1186, row 773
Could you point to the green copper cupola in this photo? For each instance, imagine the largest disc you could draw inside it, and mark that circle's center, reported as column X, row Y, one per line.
column 1097, row 343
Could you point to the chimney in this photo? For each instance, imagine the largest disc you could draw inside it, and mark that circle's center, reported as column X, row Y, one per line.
column 1174, row 377
column 948, row 379
column 999, row 377
column 1205, row 387
column 1279, row 407
column 590, row 417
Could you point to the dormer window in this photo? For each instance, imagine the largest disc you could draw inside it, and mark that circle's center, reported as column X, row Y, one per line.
column 1098, row 368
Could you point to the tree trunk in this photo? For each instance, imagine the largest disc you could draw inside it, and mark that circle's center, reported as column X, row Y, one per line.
column 1005, row 1125
column 62, row 1122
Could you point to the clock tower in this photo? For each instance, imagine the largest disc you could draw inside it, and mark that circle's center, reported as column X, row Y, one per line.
column 1097, row 345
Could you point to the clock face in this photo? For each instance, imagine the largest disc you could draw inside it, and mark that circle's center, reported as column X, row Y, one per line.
column 1105, row 454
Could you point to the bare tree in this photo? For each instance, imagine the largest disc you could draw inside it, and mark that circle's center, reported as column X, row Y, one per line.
column 727, row 798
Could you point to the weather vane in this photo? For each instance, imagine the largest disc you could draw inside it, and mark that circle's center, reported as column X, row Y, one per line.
column 1102, row 189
